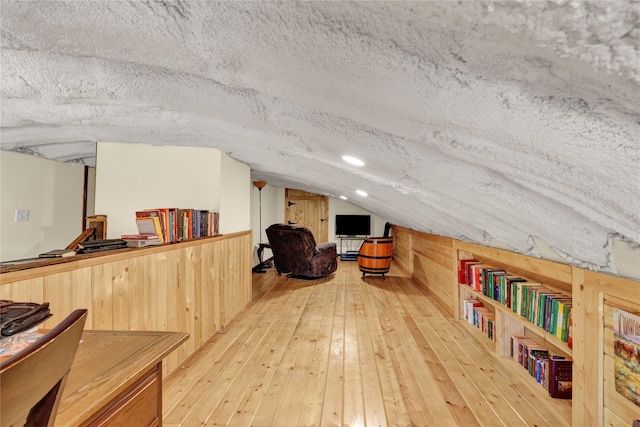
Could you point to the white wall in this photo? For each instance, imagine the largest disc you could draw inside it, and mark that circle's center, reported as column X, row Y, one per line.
column 340, row 207
column 131, row 177
column 51, row 191
column 235, row 196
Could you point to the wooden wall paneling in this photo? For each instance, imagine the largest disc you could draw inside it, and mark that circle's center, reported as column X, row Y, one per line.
column 614, row 403
column 31, row 290
column 616, row 293
column 433, row 266
column 196, row 287
column 177, row 300
column 401, row 248
column 229, row 292
column 159, row 278
column 245, row 289
column 195, row 314
column 579, row 398
column 145, row 276
column 206, row 294
column 223, row 274
column 121, row 295
column 434, row 278
column 66, row 292
column 191, row 277
column 6, row 291
column 614, row 420
column 618, row 409
column 506, row 326
column 236, row 297
column 216, row 304
column 549, row 272
column 435, row 248
column 100, row 314
column 135, row 293
column 588, row 353
column 228, row 275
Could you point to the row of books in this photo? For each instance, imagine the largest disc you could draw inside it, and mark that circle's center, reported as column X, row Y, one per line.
column 173, row 225
column 478, row 315
column 554, row 373
column 542, row 306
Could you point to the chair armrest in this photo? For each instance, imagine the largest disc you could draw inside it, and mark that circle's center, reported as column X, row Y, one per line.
column 326, row 246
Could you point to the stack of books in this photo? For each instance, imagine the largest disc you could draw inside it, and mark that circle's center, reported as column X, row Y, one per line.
column 173, row 225
column 141, row 240
column 554, row 373
column 478, row 315
column 544, row 307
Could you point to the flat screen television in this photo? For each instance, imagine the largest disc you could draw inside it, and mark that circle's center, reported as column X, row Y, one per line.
column 353, row 225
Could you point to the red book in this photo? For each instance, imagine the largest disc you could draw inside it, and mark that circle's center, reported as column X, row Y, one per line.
column 462, row 270
column 138, row 236
column 560, row 378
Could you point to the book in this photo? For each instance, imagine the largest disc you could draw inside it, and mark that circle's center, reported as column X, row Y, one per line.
column 139, row 236
column 560, row 377
column 133, row 243
column 469, row 305
column 150, row 225
column 57, row 253
column 214, row 221
column 463, row 273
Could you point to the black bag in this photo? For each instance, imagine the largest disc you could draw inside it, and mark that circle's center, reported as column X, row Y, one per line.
column 18, row 317
column 91, row 246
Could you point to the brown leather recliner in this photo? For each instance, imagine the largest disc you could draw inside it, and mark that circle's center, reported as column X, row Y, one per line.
column 295, row 252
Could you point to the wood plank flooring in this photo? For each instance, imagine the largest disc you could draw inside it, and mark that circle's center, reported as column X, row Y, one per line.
column 341, row 351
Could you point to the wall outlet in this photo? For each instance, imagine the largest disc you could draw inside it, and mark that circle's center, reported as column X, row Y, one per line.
column 22, row 215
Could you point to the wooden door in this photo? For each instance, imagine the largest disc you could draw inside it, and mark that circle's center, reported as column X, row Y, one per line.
column 309, row 210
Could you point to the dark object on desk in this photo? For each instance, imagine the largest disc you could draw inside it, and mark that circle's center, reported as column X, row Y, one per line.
column 57, row 253
column 88, row 234
column 21, row 316
column 295, row 252
column 33, row 380
column 91, row 246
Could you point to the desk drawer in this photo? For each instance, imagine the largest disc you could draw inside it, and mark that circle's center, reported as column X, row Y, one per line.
column 140, row 405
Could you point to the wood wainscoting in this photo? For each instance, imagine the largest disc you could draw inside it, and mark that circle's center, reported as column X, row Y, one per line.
column 196, row 286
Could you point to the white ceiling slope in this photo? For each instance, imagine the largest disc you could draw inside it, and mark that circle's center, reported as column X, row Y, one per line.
column 513, row 121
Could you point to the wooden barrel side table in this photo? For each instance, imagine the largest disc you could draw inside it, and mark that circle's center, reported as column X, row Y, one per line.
column 375, row 255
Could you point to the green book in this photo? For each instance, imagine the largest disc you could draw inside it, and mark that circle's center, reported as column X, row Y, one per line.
column 565, row 323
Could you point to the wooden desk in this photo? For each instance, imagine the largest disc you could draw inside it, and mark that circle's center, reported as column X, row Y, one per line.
column 116, row 379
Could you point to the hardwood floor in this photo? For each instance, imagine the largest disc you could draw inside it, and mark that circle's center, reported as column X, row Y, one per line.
column 341, row 351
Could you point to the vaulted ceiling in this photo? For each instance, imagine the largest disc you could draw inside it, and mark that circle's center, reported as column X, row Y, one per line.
column 485, row 121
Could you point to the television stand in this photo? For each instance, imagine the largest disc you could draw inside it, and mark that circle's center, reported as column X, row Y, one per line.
column 349, row 256
column 351, row 247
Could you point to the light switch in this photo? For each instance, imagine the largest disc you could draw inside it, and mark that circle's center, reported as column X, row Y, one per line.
column 22, row 215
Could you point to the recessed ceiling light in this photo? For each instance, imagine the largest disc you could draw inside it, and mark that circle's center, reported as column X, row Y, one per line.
column 353, row 160
column 362, row 193
column 343, row 197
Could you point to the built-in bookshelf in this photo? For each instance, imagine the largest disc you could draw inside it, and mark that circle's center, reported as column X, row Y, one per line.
column 597, row 297
column 525, row 315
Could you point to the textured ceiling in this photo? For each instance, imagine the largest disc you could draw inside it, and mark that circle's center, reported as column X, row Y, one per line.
column 512, row 121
